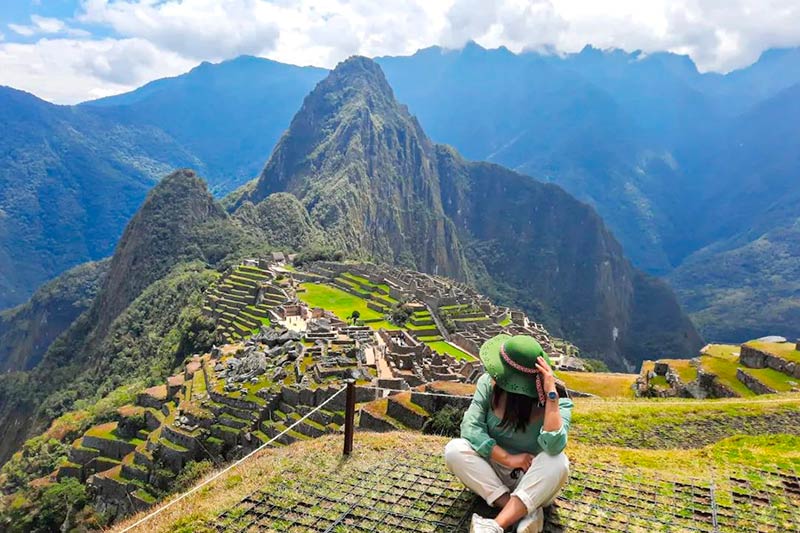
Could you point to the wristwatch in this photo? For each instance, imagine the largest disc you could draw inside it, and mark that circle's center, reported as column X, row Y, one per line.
column 552, row 396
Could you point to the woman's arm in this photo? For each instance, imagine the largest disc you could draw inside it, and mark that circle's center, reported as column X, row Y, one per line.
column 552, row 415
column 511, row 460
column 557, row 415
column 473, row 425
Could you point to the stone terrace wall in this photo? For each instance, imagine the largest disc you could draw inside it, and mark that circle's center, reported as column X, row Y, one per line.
column 752, row 383
column 754, row 358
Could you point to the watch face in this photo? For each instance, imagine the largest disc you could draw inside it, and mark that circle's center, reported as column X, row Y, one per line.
column 552, row 395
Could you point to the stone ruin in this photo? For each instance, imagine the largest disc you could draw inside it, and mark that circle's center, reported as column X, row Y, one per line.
column 413, row 363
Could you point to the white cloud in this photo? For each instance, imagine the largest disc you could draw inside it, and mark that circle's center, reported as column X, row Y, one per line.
column 196, row 29
column 152, row 37
column 46, row 26
column 73, row 70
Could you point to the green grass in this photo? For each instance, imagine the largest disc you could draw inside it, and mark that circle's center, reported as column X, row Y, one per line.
column 720, row 361
column 444, row 347
column 772, row 378
column 341, row 303
column 659, row 381
column 506, row 321
column 683, row 367
column 784, row 350
column 411, row 326
column 606, row 385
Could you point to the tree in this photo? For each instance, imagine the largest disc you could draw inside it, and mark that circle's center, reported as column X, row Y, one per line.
column 354, row 316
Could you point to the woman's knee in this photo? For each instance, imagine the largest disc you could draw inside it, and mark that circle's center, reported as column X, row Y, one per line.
column 454, row 451
column 556, row 465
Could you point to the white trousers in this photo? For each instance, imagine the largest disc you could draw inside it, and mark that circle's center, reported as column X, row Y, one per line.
column 536, row 488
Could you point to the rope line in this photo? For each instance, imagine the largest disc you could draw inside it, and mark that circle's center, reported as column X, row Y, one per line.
column 230, row 467
column 444, row 395
column 653, row 401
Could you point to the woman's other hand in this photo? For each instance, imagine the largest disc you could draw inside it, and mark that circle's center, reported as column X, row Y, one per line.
column 520, row 460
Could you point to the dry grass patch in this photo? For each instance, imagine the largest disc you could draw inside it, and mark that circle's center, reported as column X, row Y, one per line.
column 603, row 384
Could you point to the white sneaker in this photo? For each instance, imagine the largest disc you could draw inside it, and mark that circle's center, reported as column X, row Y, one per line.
column 484, row 525
column 533, row 523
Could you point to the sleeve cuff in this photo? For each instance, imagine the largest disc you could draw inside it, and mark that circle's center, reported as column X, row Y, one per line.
column 485, row 448
column 553, row 442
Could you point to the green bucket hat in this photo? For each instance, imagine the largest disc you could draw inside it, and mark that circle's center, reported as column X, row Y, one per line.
column 511, row 361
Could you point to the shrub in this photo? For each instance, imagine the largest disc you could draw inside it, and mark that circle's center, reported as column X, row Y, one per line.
column 446, row 422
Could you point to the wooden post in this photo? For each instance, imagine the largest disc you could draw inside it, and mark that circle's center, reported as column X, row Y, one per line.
column 349, row 416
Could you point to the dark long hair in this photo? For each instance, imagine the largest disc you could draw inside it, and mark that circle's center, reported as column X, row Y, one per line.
column 518, row 409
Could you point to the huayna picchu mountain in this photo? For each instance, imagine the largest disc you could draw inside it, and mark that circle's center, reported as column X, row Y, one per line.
column 378, row 188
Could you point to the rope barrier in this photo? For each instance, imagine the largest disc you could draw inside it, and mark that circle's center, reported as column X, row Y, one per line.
column 654, row 401
column 232, row 466
column 413, row 391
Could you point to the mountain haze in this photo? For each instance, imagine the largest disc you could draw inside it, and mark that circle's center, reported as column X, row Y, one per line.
column 66, row 192
column 229, row 114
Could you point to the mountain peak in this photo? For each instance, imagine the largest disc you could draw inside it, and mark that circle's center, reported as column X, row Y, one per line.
column 359, row 73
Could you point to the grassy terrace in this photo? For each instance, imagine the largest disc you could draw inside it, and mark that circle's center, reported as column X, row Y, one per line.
column 784, row 350
column 364, row 281
column 773, row 379
column 341, row 304
column 445, row 347
column 617, row 446
column 720, row 359
column 606, row 385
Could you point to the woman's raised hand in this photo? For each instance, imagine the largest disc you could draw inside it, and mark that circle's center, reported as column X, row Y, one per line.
column 547, row 374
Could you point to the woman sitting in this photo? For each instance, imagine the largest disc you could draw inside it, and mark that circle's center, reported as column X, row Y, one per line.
column 511, row 450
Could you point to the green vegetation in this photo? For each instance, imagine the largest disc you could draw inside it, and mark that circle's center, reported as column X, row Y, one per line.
column 600, row 384
column 445, row 422
column 45, row 508
column 447, row 348
column 722, row 360
column 680, row 424
column 595, row 365
column 28, row 330
column 341, row 303
column 773, row 379
column 784, row 350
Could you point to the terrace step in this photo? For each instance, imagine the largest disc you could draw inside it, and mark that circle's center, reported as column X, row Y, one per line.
column 232, row 421
column 400, row 407
column 228, row 435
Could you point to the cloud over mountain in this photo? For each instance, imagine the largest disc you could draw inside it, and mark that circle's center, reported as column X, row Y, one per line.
column 164, row 38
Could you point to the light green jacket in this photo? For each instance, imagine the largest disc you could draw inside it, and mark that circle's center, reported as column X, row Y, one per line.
column 481, row 427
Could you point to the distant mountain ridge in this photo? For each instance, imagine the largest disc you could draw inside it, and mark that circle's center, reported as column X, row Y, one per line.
column 646, row 139
column 66, row 192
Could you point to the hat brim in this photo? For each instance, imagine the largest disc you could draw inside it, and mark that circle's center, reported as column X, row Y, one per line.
column 509, row 379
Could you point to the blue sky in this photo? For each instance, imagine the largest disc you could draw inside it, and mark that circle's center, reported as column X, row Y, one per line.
column 67, row 51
